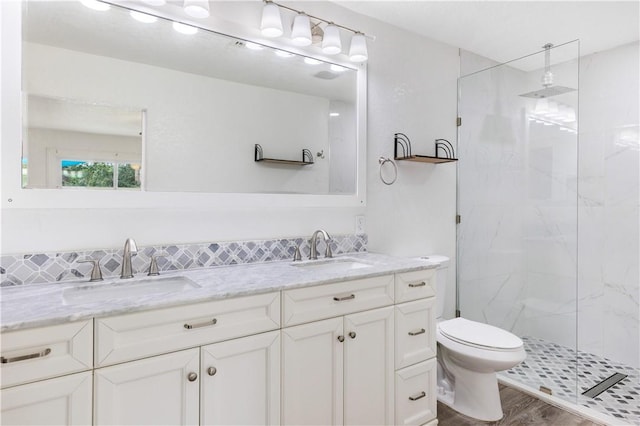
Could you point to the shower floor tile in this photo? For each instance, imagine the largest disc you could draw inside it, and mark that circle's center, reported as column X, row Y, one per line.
column 556, row 367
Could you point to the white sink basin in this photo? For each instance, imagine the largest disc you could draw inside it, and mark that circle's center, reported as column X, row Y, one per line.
column 332, row 265
column 124, row 289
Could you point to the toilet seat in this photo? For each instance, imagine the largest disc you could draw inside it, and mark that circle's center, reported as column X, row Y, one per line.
column 478, row 335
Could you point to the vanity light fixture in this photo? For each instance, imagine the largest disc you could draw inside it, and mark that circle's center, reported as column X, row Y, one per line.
column 331, row 43
column 197, row 8
column 301, row 30
column 142, row 17
column 95, row 5
column 271, row 25
column 337, row 68
column 334, row 114
column 304, row 33
column 184, row 28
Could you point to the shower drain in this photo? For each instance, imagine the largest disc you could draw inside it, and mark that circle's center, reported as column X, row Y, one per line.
column 604, row 385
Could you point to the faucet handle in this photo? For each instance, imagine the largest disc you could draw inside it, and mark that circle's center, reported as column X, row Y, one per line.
column 327, row 252
column 297, row 256
column 96, row 272
column 153, row 266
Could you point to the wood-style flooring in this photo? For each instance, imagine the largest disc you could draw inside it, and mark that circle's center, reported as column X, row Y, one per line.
column 519, row 409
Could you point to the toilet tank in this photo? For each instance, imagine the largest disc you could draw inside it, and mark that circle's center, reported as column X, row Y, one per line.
column 441, row 280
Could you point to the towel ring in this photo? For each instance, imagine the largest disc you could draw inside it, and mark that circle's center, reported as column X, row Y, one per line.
column 382, row 161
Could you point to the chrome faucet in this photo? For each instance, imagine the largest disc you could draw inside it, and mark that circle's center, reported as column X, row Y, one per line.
column 313, row 253
column 130, row 249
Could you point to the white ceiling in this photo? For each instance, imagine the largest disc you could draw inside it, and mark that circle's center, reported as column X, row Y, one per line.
column 506, row 30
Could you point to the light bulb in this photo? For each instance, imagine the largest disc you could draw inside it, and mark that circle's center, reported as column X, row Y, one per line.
column 311, row 61
column 301, row 31
column 271, row 25
column 331, row 44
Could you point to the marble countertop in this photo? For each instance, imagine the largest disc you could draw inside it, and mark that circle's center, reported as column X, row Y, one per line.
column 35, row 305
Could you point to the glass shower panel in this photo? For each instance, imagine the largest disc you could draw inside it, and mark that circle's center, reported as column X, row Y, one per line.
column 517, row 198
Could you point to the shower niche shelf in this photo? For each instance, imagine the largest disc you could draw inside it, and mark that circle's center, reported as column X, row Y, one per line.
column 402, row 151
column 307, row 158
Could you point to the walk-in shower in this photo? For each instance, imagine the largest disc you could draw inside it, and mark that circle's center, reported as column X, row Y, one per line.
column 519, row 254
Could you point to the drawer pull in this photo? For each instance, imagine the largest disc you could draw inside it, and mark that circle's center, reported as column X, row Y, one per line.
column 340, row 299
column 418, row 396
column 420, row 284
column 202, row 324
column 192, row 377
column 415, row 333
column 212, row 371
column 40, row 354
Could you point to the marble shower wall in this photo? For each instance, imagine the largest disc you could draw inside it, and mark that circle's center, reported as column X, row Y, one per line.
column 608, row 205
column 541, row 205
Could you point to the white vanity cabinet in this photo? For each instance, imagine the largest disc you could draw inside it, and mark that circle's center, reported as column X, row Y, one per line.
column 235, row 381
column 339, row 370
column 45, row 375
column 415, row 348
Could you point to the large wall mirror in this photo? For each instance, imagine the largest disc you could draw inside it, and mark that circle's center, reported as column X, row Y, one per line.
column 110, row 102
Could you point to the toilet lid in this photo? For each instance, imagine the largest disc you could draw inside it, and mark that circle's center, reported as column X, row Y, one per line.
column 478, row 334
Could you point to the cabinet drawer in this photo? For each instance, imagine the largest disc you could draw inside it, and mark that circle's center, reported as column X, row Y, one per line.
column 331, row 300
column 415, row 393
column 126, row 337
column 415, row 332
column 415, row 285
column 41, row 353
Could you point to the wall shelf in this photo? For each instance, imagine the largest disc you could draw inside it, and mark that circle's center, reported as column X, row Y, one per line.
column 307, row 158
column 427, row 159
column 402, row 146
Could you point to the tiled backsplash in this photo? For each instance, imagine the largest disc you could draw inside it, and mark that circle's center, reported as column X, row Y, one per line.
column 64, row 266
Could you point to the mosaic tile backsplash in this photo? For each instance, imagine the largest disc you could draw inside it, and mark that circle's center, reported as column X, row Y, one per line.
column 64, row 266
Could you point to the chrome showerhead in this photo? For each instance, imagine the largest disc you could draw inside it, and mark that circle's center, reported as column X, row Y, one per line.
column 547, row 80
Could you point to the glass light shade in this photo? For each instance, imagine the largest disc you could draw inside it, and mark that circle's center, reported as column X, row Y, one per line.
column 95, row 5
column 331, row 44
column 197, row 8
column 142, row 17
column 301, row 31
column 358, row 49
column 271, row 25
column 184, row 29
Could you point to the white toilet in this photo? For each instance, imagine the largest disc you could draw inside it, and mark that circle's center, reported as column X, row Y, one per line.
column 469, row 355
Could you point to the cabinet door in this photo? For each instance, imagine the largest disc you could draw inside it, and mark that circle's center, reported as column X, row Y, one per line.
column 240, row 382
column 369, row 368
column 61, row 401
column 156, row 390
column 312, row 389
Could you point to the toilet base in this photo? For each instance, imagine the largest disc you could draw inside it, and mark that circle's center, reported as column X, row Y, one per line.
column 473, row 394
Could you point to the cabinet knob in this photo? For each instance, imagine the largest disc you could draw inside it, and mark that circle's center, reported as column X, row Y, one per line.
column 212, row 371
column 352, row 334
column 340, row 338
column 192, row 377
